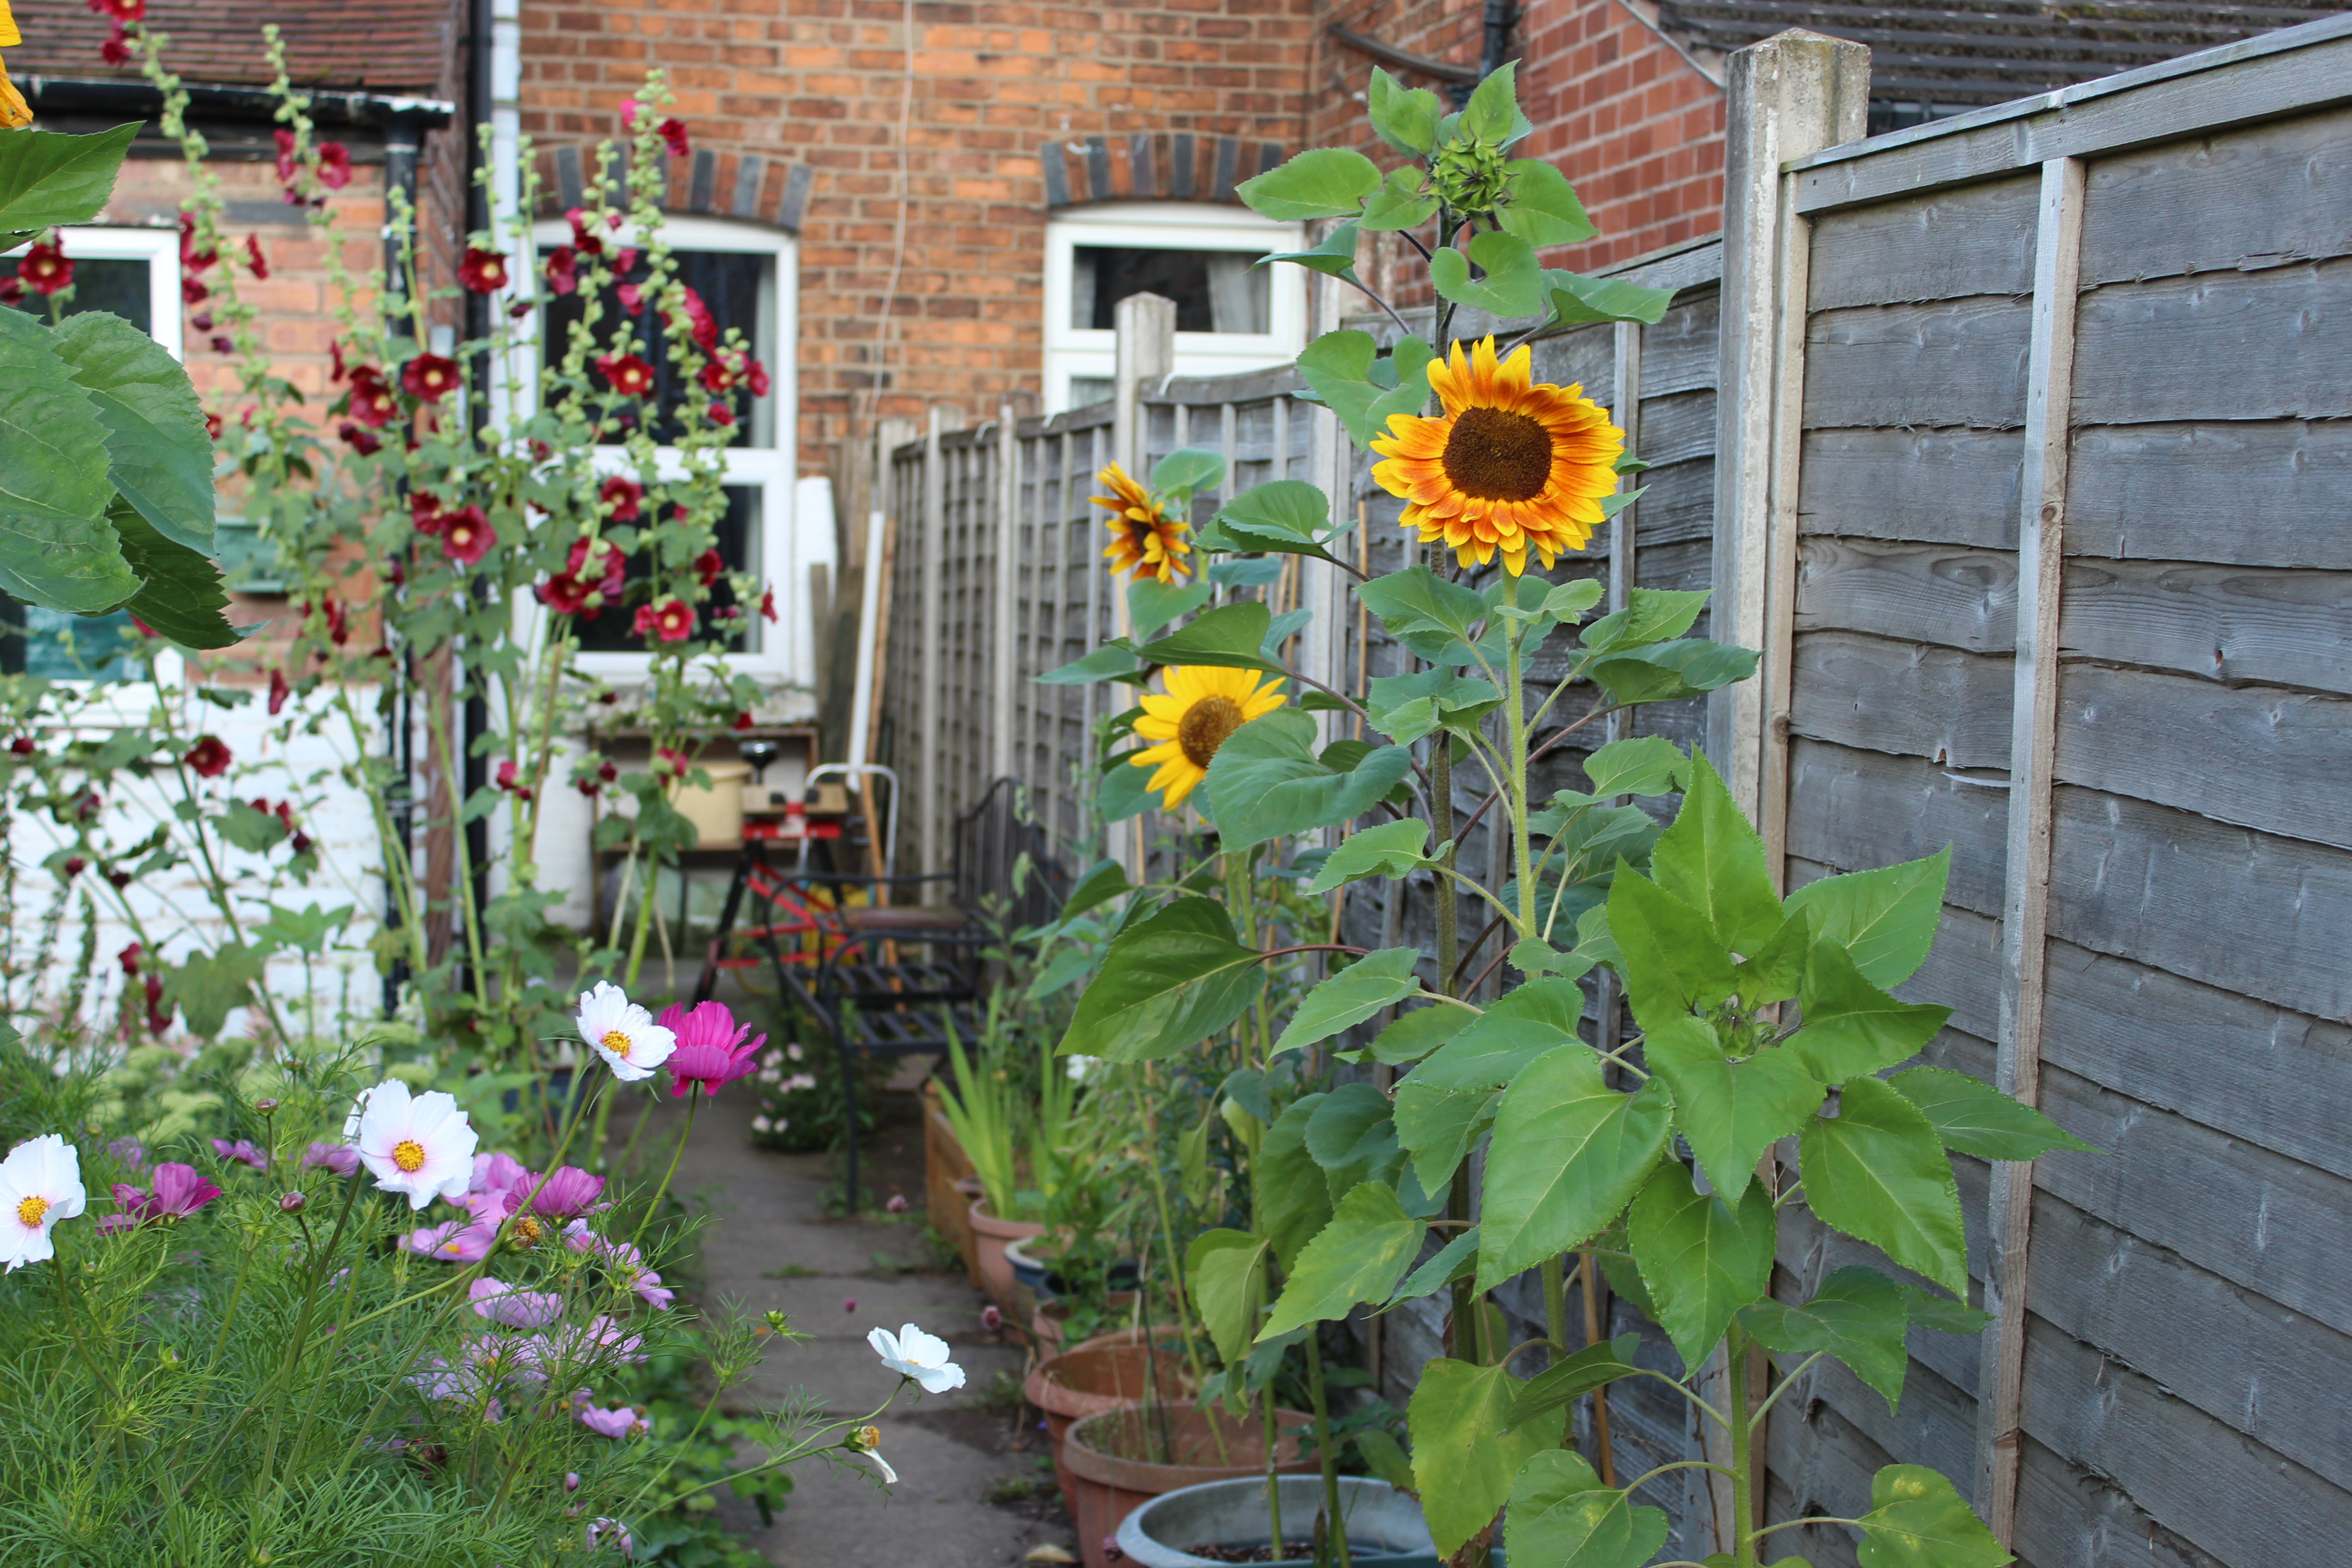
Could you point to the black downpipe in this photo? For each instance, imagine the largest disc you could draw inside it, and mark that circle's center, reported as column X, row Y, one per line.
column 1500, row 18
column 476, row 769
column 403, row 133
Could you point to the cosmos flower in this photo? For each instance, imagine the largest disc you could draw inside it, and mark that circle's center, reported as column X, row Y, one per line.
column 913, row 1353
column 623, row 1033
column 420, row 1145
column 713, row 1050
column 512, row 1306
column 40, row 1183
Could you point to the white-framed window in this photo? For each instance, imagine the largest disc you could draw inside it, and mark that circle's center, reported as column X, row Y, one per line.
column 133, row 273
column 748, row 276
column 1230, row 315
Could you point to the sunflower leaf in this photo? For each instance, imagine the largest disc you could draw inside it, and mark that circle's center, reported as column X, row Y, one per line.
column 1284, row 517
column 1228, row 637
column 1165, row 985
column 1322, row 182
column 1405, row 201
column 1543, row 207
column 1335, row 257
column 1266, row 781
column 1574, row 300
column 1514, row 282
column 1187, row 469
column 1405, row 118
column 1112, row 661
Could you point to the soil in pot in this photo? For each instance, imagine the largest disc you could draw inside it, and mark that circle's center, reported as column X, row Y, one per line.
column 989, row 1235
column 1122, row 1458
column 1095, row 1378
column 1225, row 1521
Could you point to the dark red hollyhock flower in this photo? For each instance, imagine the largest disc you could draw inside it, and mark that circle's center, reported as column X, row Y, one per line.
column 254, row 258
column 722, row 415
column 717, row 374
column 586, row 787
column 188, row 256
column 606, row 773
column 567, row 593
column 44, row 269
column 429, row 376
column 399, row 575
column 372, row 403
column 158, row 1018
column 673, row 134
column 339, row 622
column 11, row 291
column 209, row 758
column 299, row 843
column 334, row 166
column 633, row 299
column 286, row 166
column 584, row 239
column 213, row 427
column 129, row 958
column 562, row 269
column 278, row 692
column 119, row 879
column 335, row 361
column 193, row 290
column 627, row 374
column 365, row 443
column 74, row 867
column 703, row 325
column 755, row 376
column 23, row 746
column 121, row 10
column 768, row 603
column 623, row 495
column 224, row 344
column 116, row 50
column 506, row 780
column 708, row 566
column 202, row 321
column 466, row 535
column 742, row 721
column 672, row 620
column 425, row 512
column 482, row 272
column 518, row 309
column 285, row 814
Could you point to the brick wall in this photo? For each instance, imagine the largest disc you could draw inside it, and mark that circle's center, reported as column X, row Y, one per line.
column 818, row 83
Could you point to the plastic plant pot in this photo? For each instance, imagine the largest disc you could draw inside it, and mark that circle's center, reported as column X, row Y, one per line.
column 1385, row 1528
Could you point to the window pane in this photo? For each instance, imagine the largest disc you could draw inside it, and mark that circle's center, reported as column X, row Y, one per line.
column 610, row 631
column 115, row 284
column 1214, row 291
column 731, row 283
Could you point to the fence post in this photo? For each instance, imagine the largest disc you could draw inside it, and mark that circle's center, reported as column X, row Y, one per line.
column 1321, row 588
column 1146, row 351
column 1791, row 95
column 1005, row 653
column 934, row 537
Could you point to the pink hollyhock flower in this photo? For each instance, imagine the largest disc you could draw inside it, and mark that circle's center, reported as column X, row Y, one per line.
column 618, row 1421
column 243, row 1151
column 711, row 1047
column 568, row 1193
column 672, row 620
column 340, row 1158
column 562, row 269
column 512, row 1306
column 334, row 166
column 454, row 1241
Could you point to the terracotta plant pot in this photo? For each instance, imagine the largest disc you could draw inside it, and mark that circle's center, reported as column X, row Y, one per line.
column 948, row 1186
column 1110, row 1486
column 989, row 1235
column 1087, row 1382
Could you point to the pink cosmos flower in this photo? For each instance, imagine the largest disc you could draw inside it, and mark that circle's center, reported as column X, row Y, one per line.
column 496, row 1173
column 650, row 1289
column 179, row 1192
column 618, row 1421
column 568, row 1193
column 512, row 1306
column 613, row 1527
column 243, row 1151
column 711, row 1048
column 340, row 1158
column 457, row 1241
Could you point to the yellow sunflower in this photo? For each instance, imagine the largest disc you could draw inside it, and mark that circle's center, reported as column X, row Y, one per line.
column 1203, row 705
column 1510, row 465
column 1144, row 539
column 13, row 110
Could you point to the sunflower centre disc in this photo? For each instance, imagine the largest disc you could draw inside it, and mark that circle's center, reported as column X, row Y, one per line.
column 1494, row 454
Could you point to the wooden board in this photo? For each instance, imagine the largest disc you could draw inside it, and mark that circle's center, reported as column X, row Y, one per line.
column 2256, row 756
column 2225, row 623
column 2069, row 1517
column 1939, row 486
column 1854, row 809
column 2244, row 493
column 1950, row 595
column 2222, row 345
column 2302, row 167
column 1676, row 427
column 2246, row 911
column 1679, row 354
column 1679, row 509
column 1583, row 357
column 1959, row 362
column 1945, row 245
column 1912, row 698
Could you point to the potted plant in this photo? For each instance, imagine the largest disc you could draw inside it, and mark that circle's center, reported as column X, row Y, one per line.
column 1384, row 1526
column 981, row 1113
column 1084, row 1381
column 1121, row 1458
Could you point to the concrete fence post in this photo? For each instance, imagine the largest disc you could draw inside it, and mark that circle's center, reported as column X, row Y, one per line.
column 1145, row 325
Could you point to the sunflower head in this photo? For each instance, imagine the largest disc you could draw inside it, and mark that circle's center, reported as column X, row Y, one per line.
column 1144, row 539
column 1204, row 704
column 1469, row 175
column 1508, row 468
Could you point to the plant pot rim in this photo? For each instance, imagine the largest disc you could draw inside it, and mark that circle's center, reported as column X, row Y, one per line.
column 1361, row 1497
column 1149, row 1476
column 988, row 1224
column 1046, row 1388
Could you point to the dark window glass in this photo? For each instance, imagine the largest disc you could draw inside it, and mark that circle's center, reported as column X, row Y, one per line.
column 611, row 631
column 118, row 285
column 1214, row 291
column 729, row 282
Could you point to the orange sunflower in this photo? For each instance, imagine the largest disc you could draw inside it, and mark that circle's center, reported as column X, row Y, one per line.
column 13, row 111
column 1509, row 466
column 1203, row 705
column 1144, row 539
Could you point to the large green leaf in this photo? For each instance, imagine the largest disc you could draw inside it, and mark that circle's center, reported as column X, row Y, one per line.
column 1851, row 1028
column 1437, row 1127
column 1567, row 1152
column 1574, row 299
column 1918, row 1520
column 1416, row 599
column 1562, row 1517
column 1512, row 284
column 57, row 550
column 1543, row 208
column 1111, row 661
column 180, row 593
column 1711, row 860
column 1267, row 781
column 1702, row 1257
column 1358, row 1256
column 1346, row 999
column 1493, row 114
column 1337, row 367
column 1521, row 1026
column 1420, row 1031
column 1293, row 1200
column 1457, row 1259
column 1322, row 182
column 47, row 178
column 1650, row 615
column 1404, row 201
column 1775, row 972
column 1672, row 960
column 1348, row 1119
column 1384, row 850
column 1670, row 671
column 1105, row 880
column 1167, row 983
column 209, row 986
column 1462, row 1458
column 1151, row 604
column 1975, row 1118
column 1225, row 1272
column 1187, row 469
column 1643, row 764
column 1564, row 1382
column 1886, row 918
column 1858, row 1315
column 160, row 458
column 1406, row 119
column 1286, row 517
column 1407, row 708
column 1876, row 1172
column 1228, row 636
column 1731, row 1111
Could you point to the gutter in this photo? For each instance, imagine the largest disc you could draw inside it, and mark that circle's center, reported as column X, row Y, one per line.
column 116, row 95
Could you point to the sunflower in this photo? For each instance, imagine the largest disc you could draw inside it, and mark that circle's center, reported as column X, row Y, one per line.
column 1144, row 539
column 1510, row 465
column 13, row 110
column 1203, row 705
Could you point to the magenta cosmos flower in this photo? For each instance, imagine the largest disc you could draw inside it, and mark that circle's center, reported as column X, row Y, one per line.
column 568, row 1193
column 712, row 1049
column 512, row 1306
column 179, row 1192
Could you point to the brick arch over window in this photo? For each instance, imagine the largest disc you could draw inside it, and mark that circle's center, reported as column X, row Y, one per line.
column 741, row 185
column 1169, row 166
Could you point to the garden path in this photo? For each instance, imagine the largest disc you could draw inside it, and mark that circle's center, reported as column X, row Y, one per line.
column 776, row 1246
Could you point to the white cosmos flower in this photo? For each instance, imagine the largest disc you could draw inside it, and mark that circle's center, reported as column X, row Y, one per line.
column 867, row 1440
column 1084, row 1070
column 40, row 1183
column 911, row 1353
column 421, row 1145
column 623, row 1034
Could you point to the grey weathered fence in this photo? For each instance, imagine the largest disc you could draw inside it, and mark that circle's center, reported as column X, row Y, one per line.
column 2022, row 446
